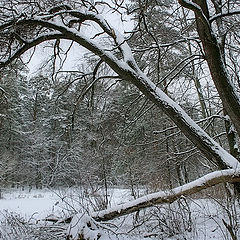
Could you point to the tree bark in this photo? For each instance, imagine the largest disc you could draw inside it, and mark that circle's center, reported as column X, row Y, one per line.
column 213, row 54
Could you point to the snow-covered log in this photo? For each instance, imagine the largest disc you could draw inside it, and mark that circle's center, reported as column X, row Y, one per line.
column 169, row 196
column 83, row 227
column 87, row 227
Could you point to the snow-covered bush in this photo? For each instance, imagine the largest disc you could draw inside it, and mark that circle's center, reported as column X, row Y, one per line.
column 15, row 226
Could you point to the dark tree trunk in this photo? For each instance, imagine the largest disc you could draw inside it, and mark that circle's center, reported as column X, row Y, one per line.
column 215, row 60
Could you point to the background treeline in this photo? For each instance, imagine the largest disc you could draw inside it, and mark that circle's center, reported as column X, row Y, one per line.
column 62, row 128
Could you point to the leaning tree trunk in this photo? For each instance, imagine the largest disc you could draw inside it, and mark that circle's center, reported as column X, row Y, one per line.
column 215, row 60
column 127, row 69
column 216, row 63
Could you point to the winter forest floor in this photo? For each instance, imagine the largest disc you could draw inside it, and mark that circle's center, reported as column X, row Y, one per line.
column 22, row 214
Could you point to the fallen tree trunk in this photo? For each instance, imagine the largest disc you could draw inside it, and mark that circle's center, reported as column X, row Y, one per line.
column 169, row 196
column 83, row 226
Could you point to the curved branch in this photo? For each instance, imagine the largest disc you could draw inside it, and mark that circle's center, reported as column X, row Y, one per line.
column 113, row 33
column 30, row 44
column 166, row 45
column 8, row 24
column 129, row 71
column 59, row 8
column 220, row 15
column 187, row 60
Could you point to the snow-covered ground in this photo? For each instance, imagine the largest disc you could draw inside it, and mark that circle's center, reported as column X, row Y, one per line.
column 34, row 203
column 198, row 219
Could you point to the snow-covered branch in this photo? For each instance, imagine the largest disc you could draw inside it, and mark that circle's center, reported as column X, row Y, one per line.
column 169, row 196
column 226, row 14
column 128, row 70
column 30, row 44
column 106, row 27
column 87, row 226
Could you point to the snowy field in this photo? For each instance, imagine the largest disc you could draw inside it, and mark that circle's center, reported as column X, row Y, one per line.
column 22, row 214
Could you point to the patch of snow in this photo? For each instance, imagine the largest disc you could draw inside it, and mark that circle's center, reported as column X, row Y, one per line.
column 206, row 216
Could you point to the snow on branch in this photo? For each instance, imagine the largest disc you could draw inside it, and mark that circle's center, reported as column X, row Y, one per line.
column 191, row 5
column 2, row 90
column 83, row 226
column 169, row 196
column 106, row 27
column 227, row 14
column 197, row 9
column 128, row 70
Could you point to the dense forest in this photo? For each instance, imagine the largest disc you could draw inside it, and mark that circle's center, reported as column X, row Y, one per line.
column 153, row 107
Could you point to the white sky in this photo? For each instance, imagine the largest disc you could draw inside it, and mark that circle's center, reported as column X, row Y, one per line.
column 75, row 56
